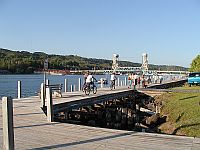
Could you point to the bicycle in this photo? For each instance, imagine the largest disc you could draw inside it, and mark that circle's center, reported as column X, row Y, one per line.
column 90, row 87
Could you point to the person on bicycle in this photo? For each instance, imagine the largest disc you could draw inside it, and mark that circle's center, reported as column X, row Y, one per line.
column 90, row 79
column 112, row 79
column 85, row 78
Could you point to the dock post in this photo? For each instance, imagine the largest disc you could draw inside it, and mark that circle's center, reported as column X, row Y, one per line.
column 101, row 85
column 49, row 105
column 79, row 84
column 42, row 95
column 118, row 82
column 66, row 85
column 19, row 89
column 71, row 87
column 74, row 88
column 47, row 81
column 7, row 117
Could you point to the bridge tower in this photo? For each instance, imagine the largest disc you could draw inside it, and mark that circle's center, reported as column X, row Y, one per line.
column 115, row 64
column 145, row 62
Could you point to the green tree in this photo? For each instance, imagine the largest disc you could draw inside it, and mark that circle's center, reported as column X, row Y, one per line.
column 195, row 66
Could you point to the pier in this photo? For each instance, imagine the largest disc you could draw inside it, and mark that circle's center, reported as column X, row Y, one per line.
column 33, row 131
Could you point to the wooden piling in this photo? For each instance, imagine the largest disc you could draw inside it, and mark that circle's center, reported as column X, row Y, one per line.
column 19, row 89
column 71, row 88
column 8, row 131
column 79, row 84
column 66, row 84
column 47, row 81
column 49, row 105
column 125, row 81
column 118, row 82
column 42, row 95
column 101, row 85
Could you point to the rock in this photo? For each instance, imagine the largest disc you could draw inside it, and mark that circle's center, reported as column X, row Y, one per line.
column 153, row 120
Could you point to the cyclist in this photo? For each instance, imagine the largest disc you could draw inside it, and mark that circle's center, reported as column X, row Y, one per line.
column 85, row 78
column 90, row 80
column 112, row 80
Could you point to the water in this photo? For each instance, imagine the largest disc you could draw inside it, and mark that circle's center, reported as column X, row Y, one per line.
column 31, row 83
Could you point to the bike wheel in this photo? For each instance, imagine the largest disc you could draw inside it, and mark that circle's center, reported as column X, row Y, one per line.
column 94, row 89
column 87, row 91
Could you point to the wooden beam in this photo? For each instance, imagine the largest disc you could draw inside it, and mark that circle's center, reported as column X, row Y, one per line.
column 8, row 131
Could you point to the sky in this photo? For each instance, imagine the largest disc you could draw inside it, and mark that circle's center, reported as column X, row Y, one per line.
column 168, row 31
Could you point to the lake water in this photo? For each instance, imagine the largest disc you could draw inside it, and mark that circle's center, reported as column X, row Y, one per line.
column 31, row 83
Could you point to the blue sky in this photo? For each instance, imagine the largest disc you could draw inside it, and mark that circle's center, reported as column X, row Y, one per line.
column 169, row 31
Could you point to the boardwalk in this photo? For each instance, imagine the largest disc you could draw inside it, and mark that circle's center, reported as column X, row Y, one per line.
column 32, row 131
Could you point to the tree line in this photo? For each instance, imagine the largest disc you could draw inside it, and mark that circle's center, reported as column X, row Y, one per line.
column 24, row 62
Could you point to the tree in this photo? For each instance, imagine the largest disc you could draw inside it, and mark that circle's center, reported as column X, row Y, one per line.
column 195, row 66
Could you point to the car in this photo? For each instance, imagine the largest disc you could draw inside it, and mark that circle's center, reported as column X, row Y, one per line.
column 194, row 78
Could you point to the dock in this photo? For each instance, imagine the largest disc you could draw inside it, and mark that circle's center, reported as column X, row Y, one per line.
column 33, row 132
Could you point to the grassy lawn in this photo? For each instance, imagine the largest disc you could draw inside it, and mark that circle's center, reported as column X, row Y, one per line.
column 182, row 111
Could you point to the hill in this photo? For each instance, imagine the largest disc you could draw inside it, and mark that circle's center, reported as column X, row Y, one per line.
column 26, row 62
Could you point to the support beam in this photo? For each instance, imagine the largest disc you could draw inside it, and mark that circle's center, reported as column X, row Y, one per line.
column 49, row 105
column 42, row 95
column 125, row 81
column 66, row 85
column 19, row 89
column 71, row 87
column 79, row 84
column 47, row 81
column 118, row 82
column 8, row 131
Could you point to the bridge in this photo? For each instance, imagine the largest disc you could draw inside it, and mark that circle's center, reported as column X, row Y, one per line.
column 126, row 70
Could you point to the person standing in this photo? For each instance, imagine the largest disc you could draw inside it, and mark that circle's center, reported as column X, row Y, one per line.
column 112, row 80
column 161, row 79
column 131, row 80
column 135, row 78
column 139, row 80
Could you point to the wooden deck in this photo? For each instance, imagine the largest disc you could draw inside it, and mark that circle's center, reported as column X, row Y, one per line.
column 32, row 131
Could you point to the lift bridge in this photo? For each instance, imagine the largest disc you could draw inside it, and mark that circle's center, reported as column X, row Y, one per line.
column 139, row 70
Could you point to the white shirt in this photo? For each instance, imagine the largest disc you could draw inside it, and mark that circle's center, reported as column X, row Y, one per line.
column 112, row 77
column 135, row 76
column 89, row 78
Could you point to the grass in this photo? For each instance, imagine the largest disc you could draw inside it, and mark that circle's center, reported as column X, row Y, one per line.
column 182, row 111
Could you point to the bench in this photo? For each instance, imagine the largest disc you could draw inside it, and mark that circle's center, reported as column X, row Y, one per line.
column 56, row 89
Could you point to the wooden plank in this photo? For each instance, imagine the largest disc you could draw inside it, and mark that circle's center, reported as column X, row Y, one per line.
column 32, row 131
